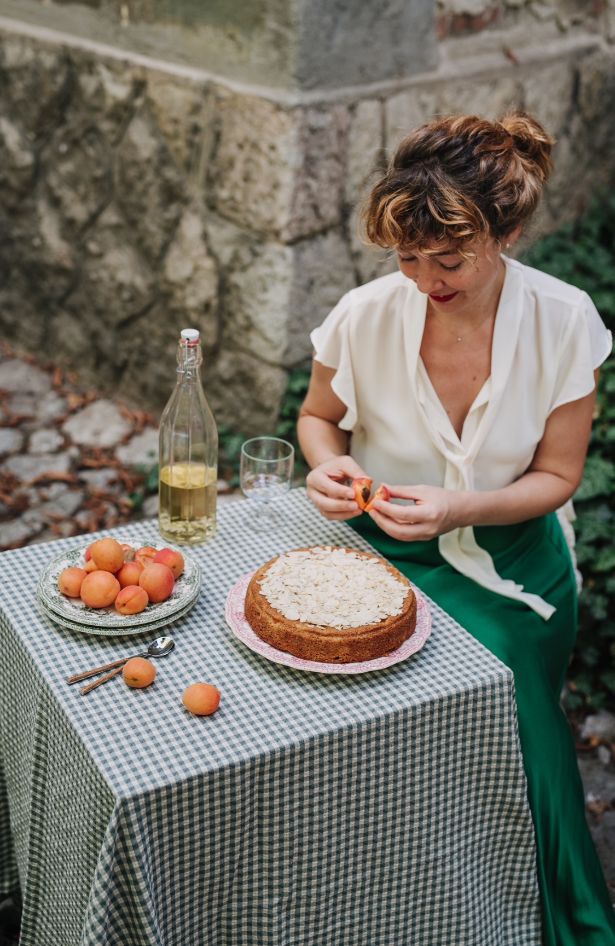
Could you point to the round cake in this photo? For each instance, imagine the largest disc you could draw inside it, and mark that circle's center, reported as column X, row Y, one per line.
column 330, row 604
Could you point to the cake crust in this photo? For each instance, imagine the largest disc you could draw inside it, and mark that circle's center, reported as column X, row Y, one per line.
column 324, row 643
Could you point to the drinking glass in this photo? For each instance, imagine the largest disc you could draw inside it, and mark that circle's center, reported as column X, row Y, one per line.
column 265, row 474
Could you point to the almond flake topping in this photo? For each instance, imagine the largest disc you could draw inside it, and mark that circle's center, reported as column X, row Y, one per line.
column 332, row 587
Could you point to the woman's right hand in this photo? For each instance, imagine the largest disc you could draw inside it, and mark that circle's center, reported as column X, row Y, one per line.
column 327, row 490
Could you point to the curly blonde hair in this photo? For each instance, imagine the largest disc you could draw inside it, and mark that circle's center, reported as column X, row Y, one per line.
column 459, row 178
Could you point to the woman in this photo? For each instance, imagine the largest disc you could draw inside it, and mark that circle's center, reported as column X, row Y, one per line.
column 465, row 382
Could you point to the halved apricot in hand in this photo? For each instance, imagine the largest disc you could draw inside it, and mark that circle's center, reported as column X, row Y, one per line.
column 381, row 493
column 362, row 486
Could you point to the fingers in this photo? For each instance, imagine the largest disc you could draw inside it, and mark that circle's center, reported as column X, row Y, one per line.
column 405, row 515
column 327, row 490
column 405, row 531
column 412, row 522
column 341, row 468
column 334, row 507
column 416, row 493
column 328, row 478
column 321, row 482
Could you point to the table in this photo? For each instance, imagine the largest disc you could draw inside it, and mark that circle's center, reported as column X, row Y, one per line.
column 376, row 810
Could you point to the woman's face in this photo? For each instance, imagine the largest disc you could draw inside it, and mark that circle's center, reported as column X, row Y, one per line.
column 454, row 284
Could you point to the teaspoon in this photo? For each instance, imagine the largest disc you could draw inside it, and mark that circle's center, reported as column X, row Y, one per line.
column 158, row 648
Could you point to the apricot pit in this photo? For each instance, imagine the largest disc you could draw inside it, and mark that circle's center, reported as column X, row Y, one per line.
column 362, row 486
column 381, row 493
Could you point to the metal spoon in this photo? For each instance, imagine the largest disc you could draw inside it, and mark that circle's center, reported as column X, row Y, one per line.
column 158, row 648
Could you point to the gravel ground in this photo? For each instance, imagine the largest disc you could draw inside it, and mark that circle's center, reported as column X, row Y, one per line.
column 72, row 462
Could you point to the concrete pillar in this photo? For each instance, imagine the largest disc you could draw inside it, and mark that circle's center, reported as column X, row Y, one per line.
column 290, row 44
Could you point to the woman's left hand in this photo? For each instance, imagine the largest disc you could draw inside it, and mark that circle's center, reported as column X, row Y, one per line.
column 435, row 510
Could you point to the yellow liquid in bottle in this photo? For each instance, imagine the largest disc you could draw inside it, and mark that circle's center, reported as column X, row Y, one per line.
column 187, row 503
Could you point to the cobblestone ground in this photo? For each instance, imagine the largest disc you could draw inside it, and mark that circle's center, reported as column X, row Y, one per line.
column 72, row 462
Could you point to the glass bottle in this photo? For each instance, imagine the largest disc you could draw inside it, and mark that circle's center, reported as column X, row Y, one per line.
column 188, row 453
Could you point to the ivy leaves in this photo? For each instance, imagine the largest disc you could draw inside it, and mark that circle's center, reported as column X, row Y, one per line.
column 583, row 253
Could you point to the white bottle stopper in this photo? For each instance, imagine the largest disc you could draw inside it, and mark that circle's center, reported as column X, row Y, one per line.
column 190, row 334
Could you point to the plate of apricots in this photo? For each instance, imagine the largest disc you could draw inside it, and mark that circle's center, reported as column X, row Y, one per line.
column 111, row 588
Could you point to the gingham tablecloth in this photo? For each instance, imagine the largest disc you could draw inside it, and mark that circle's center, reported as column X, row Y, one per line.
column 376, row 810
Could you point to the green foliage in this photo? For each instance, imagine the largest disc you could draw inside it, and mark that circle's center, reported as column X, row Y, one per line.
column 583, row 253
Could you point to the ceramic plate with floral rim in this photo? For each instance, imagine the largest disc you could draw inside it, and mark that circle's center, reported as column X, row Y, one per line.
column 185, row 592
column 102, row 631
column 236, row 619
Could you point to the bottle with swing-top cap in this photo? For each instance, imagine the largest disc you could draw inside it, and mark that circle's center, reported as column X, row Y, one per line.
column 188, row 453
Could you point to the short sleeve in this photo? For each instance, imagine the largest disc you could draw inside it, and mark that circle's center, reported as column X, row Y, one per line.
column 331, row 342
column 600, row 338
column 585, row 345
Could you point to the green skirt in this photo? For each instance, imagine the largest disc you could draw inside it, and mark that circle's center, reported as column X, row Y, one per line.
column 576, row 907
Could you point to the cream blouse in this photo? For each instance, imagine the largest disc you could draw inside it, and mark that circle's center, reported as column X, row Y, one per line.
column 548, row 339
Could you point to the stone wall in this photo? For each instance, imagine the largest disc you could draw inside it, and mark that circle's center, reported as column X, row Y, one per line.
column 464, row 17
column 139, row 195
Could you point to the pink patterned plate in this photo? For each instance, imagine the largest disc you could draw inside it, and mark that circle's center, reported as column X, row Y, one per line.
column 236, row 620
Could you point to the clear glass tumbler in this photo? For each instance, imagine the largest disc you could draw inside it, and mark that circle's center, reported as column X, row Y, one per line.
column 265, row 475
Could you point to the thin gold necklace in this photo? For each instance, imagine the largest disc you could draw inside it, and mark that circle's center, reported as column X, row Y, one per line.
column 456, row 335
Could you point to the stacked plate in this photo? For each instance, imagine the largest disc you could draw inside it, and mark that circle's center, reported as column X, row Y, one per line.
column 73, row 614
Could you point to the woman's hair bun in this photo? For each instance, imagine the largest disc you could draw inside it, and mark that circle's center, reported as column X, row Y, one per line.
column 533, row 144
column 460, row 177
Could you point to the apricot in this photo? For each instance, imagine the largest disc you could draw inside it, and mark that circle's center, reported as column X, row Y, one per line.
column 90, row 566
column 202, row 699
column 70, row 581
column 382, row 492
column 129, row 552
column 129, row 574
column 172, row 558
column 145, row 555
column 158, row 581
column 99, row 589
column 138, row 672
column 108, row 554
column 362, row 486
column 131, row 600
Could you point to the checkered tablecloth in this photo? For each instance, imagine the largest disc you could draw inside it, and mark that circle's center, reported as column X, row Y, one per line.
column 376, row 810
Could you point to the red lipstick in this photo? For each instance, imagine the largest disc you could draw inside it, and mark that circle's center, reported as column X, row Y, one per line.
column 442, row 298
